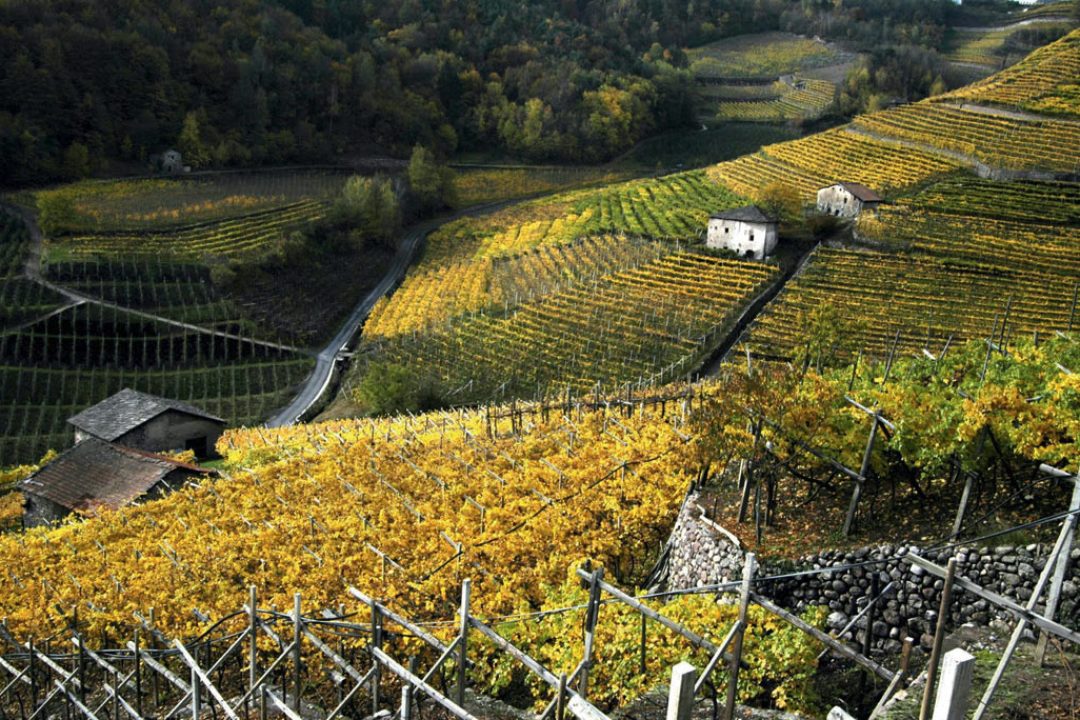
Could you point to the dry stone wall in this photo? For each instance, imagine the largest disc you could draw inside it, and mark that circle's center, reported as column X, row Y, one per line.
column 703, row 554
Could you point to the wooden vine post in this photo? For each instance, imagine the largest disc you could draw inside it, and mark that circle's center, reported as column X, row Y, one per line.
column 463, row 641
column 1062, row 566
column 939, row 640
column 737, row 641
column 856, row 493
column 591, row 616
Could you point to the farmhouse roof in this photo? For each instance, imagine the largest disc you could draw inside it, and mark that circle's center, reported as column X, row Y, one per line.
column 97, row 474
column 861, row 191
column 128, row 409
column 746, row 213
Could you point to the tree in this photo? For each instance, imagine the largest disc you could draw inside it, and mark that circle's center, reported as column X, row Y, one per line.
column 76, row 161
column 190, row 143
column 369, row 208
column 56, row 211
column 392, row 388
column 425, row 178
column 782, row 201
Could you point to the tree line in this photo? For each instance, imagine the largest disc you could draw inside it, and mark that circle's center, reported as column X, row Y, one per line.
column 90, row 88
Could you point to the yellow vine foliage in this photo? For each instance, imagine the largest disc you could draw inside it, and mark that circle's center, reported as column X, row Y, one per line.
column 392, row 507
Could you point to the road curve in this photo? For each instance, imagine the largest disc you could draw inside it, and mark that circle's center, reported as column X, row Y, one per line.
column 326, row 360
column 319, row 380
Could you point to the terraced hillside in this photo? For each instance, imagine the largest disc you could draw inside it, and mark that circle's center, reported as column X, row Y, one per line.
column 555, row 279
column 20, row 298
column 249, row 234
column 1043, row 82
column 994, row 48
column 132, row 294
column 436, row 295
column 1011, row 143
column 833, row 156
column 645, row 326
column 767, row 77
column 53, row 368
column 329, row 485
column 868, row 300
column 452, row 301
column 977, row 257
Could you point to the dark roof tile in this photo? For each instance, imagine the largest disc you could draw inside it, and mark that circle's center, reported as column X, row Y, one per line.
column 861, row 191
column 746, row 213
column 128, row 409
column 96, row 474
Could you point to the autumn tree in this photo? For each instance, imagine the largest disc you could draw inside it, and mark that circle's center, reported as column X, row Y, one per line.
column 427, row 180
column 369, row 208
column 191, row 144
column 782, row 200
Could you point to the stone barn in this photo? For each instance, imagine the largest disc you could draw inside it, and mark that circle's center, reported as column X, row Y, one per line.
column 145, row 422
column 846, row 199
column 745, row 230
column 172, row 162
column 96, row 475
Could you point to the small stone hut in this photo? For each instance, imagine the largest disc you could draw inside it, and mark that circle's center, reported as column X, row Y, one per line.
column 846, row 199
column 172, row 162
column 746, row 230
column 95, row 475
column 146, row 422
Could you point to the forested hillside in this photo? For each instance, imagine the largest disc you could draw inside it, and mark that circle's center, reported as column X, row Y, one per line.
column 85, row 85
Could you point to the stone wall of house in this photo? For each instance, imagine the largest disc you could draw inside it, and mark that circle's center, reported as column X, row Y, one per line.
column 701, row 553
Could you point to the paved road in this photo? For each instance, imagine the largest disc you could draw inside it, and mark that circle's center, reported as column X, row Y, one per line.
column 327, row 359
column 319, row 380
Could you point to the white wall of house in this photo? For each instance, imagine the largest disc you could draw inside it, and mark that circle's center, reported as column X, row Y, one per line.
column 838, row 200
column 755, row 240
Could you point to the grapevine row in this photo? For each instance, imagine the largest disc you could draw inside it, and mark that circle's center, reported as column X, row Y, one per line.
column 1044, row 81
column 228, row 238
column 875, row 295
column 636, row 325
column 998, row 141
column 431, row 297
column 413, row 497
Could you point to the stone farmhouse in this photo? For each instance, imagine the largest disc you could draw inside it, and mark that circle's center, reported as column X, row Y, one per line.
column 746, row 230
column 846, row 199
column 172, row 162
column 153, row 424
column 95, row 475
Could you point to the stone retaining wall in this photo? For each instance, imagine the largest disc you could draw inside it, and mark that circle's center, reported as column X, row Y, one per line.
column 701, row 553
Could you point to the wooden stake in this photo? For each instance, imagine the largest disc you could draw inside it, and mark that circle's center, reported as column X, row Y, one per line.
column 138, row 677
column 591, row 616
column 737, row 642
column 376, row 643
column 560, row 699
column 965, row 497
column 939, row 639
column 406, row 701
column 298, row 631
column 196, row 708
column 1060, row 548
column 1060, row 570
column 856, row 492
column 644, row 621
column 463, row 640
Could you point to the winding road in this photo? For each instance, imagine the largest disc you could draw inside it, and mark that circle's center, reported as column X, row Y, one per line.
column 327, row 359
